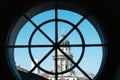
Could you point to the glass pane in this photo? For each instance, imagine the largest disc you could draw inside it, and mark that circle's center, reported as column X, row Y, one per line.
column 63, row 29
column 44, row 16
column 49, row 30
column 69, row 16
column 92, row 59
column 24, row 34
column 39, row 39
column 22, row 58
column 89, row 33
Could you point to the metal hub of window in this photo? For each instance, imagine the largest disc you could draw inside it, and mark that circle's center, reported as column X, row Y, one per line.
column 82, row 29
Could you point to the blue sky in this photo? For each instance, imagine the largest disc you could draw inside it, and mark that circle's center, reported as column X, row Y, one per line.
column 92, row 56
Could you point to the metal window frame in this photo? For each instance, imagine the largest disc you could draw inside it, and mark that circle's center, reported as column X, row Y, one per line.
column 56, row 45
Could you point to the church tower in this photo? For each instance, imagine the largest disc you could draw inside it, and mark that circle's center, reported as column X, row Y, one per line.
column 63, row 63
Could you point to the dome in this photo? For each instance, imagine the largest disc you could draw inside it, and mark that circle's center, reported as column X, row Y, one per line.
column 65, row 41
column 65, row 49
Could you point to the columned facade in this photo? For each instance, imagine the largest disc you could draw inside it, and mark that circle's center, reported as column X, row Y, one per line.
column 63, row 63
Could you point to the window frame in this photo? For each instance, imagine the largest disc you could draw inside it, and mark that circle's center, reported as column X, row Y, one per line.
column 50, row 5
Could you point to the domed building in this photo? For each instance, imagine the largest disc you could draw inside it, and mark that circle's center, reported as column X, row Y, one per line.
column 63, row 63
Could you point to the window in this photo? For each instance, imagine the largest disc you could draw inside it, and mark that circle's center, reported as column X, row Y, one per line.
column 36, row 35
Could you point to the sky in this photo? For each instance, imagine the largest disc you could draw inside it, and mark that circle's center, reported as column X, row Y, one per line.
column 92, row 57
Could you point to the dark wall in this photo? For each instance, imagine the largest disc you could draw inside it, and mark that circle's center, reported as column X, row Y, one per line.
column 106, row 11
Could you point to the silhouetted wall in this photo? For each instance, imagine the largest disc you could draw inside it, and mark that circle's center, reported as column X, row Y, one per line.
column 107, row 12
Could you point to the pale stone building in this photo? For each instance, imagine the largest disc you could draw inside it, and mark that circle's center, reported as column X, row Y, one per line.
column 63, row 63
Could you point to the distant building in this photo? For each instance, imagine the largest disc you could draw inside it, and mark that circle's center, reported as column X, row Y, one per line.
column 36, row 71
column 63, row 63
column 19, row 68
column 32, row 76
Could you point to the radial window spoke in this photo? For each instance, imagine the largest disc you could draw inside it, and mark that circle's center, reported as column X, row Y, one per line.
column 26, row 46
column 39, row 29
column 37, row 64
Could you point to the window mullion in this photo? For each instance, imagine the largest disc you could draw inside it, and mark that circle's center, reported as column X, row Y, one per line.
column 56, row 40
column 86, row 45
column 26, row 46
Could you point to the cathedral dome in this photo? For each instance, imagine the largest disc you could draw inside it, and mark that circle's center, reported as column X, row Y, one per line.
column 64, row 42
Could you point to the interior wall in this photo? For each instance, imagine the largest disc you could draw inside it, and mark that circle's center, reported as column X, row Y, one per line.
column 106, row 11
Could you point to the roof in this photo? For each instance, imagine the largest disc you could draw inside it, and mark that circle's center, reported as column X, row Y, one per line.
column 65, row 41
column 45, row 75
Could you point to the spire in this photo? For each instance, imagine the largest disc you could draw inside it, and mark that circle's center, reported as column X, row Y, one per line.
column 63, row 32
column 65, row 41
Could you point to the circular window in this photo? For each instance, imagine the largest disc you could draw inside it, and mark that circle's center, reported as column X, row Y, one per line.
column 57, row 39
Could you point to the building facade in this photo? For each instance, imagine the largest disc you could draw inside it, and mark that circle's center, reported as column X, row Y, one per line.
column 63, row 63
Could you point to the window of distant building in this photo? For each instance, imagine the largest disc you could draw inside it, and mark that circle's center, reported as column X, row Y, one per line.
column 36, row 38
